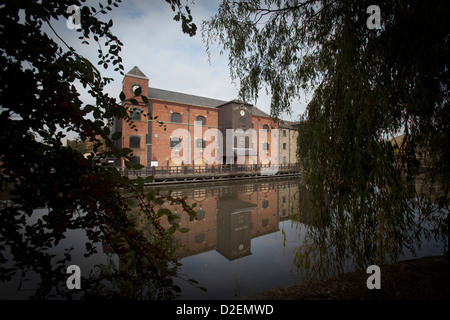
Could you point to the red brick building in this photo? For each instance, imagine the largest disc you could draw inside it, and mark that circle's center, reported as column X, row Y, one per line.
column 188, row 129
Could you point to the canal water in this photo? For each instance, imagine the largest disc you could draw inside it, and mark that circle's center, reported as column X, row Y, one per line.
column 245, row 240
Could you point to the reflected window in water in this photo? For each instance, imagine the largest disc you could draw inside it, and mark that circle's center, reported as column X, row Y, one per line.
column 199, row 194
column 200, row 214
column 248, row 189
column 177, row 194
column 265, row 187
column 199, row 238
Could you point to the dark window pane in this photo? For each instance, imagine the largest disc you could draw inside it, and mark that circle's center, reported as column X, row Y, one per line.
column 200, row 120
column 176, row 117
column 174, row 142
column 135, row 142
column 135, row 114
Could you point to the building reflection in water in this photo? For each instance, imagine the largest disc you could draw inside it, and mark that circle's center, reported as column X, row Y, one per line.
column 229, row 216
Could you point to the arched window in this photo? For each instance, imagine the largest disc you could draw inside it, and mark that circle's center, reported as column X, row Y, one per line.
column 200, row 120
column 135, row 142
column 135, row 114
column 266, row 127
column 175, row 117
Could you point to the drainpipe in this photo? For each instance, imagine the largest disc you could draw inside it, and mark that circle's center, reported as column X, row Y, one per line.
column 289, row 144
column 189, row 136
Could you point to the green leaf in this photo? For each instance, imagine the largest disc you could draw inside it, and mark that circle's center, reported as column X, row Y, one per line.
column 172, row 229
column 134, row 102
column 125, row 151
column 122, row 96
column 116, row 135
column 164, row 211
column 137, row 166
column 184, row 230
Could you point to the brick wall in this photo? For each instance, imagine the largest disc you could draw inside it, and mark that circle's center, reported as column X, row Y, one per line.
column 156, row 143
column 162, row 150
column 140, row 126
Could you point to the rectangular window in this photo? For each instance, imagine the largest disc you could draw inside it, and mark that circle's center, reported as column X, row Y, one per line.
column 284, row 133
column 265, row 146
column 135, row 114
column 175, row 142
column 284, row 146
column 135, row 142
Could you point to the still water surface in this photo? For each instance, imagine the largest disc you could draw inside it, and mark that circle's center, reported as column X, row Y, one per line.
column 243, row 240
column 246, row 239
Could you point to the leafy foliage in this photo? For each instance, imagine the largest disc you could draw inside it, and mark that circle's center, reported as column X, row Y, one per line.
column 368, row 86
column 183, row 14
column 39, row 102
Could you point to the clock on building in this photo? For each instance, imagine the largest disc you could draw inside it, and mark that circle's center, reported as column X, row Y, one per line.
column 242, row 113
column 134, row 87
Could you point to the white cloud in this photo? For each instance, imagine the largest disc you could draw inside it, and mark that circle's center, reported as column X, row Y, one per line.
column 154, row 42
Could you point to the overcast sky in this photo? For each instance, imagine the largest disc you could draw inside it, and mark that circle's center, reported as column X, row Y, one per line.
column 172, row 60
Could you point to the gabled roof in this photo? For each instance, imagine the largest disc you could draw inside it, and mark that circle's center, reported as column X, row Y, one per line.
column 288, row 124
column 188, row 99
column 178, row 97
column 193, row 100
column 136, row 72
column 259, row 112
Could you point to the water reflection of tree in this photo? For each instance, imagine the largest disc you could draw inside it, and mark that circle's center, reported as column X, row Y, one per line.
column 152, row 251
column 338, row 241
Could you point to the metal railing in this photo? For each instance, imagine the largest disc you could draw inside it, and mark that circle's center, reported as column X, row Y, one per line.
column 207, row 170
